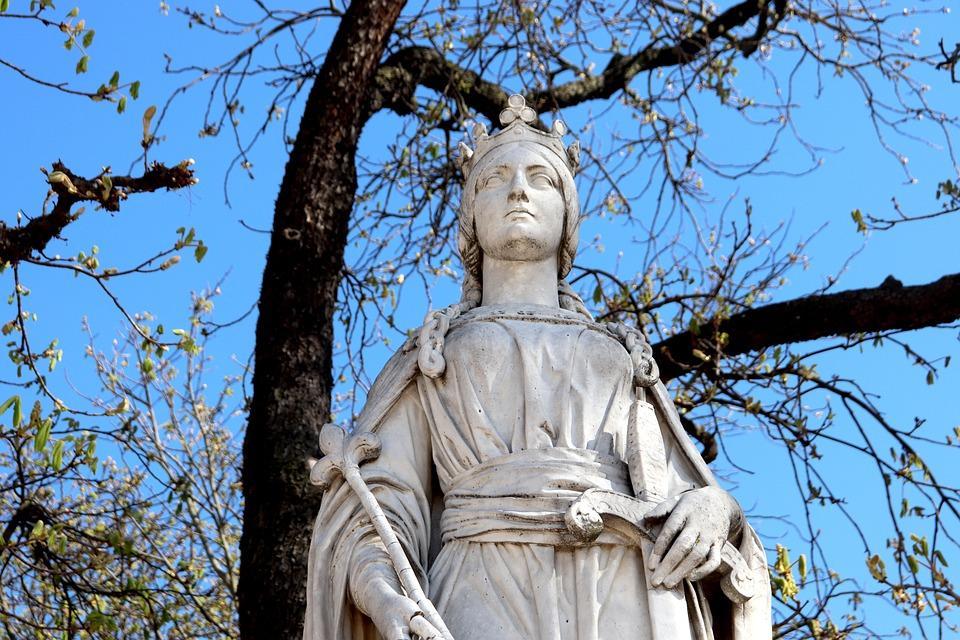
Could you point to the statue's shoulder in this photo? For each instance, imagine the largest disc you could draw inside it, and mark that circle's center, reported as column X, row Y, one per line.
column 646, row 373
column 397, row 373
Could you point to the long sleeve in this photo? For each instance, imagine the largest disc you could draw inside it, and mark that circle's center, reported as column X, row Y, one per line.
column 344, row 543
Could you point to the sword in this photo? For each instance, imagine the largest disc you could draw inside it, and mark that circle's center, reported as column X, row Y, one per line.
column 647, row 463
column 585, row 519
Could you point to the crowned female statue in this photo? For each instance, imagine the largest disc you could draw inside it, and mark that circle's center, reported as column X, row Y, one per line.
column 496, row 419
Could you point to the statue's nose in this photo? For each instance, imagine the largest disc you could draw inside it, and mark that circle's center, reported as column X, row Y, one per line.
column 518, row 187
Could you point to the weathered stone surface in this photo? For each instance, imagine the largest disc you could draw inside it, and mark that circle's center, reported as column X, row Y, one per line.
column 521, row 464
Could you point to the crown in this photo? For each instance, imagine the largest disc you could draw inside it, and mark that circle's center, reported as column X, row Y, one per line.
column 516, row 124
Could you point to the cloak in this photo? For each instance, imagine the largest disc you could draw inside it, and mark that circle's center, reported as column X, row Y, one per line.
column 404, row 407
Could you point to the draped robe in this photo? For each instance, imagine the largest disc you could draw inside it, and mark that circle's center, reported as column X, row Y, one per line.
column 477, row 468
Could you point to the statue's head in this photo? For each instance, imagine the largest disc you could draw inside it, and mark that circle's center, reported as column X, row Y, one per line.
column 518, row 194
column 519, row 203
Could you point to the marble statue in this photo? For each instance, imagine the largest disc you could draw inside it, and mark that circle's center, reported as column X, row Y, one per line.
column 519, row 471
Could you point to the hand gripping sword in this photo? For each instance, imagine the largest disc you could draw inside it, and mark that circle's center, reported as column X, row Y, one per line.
column 585, row 520
column 344, row 456
column 646, row 460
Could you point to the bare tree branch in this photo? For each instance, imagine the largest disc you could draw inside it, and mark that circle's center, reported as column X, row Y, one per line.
column 950, row 61
column 706, row 438
column 401, row 73
column 891, row 306
column 622, row 69
column 19, row 243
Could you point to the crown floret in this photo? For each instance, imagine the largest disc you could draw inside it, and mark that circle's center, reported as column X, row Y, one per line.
column 516, row 124
column 517, row 108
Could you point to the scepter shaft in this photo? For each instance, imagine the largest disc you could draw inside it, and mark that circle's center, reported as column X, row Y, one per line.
column 398, row 557
column 343, row 458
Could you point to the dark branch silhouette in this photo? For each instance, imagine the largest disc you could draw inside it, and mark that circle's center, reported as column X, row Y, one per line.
column 891, row 306
column 19, row 243
column 405, row 70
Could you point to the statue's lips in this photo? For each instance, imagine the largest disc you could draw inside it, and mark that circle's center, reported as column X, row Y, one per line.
column 515, row 214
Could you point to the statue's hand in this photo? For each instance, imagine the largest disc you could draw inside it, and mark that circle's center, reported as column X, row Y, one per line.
column 689, row 543
column 390, row 610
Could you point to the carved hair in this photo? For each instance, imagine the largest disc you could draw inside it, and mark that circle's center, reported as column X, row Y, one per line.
column 436, row 324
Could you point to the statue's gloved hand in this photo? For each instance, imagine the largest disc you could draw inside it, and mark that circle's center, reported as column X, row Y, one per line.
column 689, row 543
column 382, row 600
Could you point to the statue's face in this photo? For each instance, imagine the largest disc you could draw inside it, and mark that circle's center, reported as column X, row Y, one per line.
column 518, row 209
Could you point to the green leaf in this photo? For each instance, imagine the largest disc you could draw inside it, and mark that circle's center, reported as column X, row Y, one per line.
column 74, row 12
column 107, row 182
column 17, row 414
column 8, row 403
column 147, row 118
column 914, row 565
column 88, row 38
column 877, row 568
column 4, row 5
column 940, row 557
column 115, row 79
column 82, row 64
column 122, row 104
column 200, row 251
column 43, row 434
column 135, row 89
column 56, row 458
column 857, row 217
column 930, row 377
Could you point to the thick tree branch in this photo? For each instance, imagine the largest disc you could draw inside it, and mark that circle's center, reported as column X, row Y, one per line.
column 707, row 439
column 19, row 243
column 891, row 306
column 622, row 69
column 24, row 519
column 400, row 75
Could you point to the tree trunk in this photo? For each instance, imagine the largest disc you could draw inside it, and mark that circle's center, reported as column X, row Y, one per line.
column 292, row 380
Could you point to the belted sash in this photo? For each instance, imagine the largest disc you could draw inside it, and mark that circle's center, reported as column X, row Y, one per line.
column 522, row 497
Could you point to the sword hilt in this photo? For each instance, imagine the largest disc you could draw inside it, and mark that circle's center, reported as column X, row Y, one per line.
column 585, row 520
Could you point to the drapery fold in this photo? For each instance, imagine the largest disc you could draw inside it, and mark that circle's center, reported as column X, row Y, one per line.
column 547, row 389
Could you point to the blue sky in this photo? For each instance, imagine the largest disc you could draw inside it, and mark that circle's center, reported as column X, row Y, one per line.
column 40, row 126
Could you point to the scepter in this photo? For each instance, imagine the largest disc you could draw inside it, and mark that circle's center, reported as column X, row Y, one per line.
column 343, row 456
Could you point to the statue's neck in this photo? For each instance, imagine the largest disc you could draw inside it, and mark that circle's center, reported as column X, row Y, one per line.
column 520, row 282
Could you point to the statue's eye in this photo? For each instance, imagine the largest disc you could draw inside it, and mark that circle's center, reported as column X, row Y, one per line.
column 542, row 179
column 494, row 180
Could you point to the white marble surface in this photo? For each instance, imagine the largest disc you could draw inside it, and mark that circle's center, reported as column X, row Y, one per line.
column 511, row 405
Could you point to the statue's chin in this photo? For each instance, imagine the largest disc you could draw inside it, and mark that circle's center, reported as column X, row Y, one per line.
column 521, row 246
